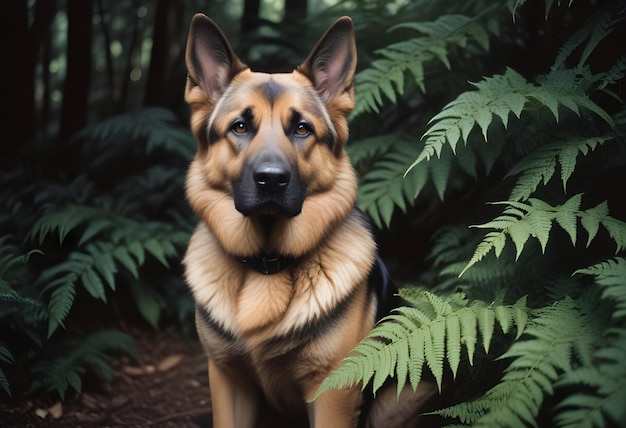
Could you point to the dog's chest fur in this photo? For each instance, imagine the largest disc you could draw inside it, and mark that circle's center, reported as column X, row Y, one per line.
column 293, row 298
column 260, row 325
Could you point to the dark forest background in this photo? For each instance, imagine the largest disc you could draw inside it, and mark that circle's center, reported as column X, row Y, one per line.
column 479, row 126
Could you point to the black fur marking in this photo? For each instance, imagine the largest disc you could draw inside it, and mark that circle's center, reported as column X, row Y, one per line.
column 213, row 135
column 314, row 328
column 379, row 280
column 214, row 325
column 271, row 90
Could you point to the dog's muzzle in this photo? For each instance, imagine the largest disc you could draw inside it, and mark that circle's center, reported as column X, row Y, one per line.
column 269, row 185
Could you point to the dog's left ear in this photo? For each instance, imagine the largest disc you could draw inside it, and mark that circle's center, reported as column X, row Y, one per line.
column 331, row 64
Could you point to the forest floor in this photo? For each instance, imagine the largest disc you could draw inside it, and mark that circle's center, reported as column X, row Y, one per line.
column 169, row 389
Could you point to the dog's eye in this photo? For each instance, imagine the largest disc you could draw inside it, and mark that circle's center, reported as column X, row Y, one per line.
column 240, row 127
column 302, row 129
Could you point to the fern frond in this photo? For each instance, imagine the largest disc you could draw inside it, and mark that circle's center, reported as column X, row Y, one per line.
column 66, row 220
column 611, row 276
column 386, row 76
column 554, row 333
column 157, row 127
column 368, row 148
column 596, row 28
column 432, row 332
column 521, row 221
column 6, row 358
column 499, row 96
column 540, row 165
column 79, row 357
column 386, row 187
column 96, row 265
column 611, row 77
column 607, row 377
column 604, row 373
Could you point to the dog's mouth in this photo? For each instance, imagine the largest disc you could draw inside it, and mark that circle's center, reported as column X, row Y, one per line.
column 254, row 203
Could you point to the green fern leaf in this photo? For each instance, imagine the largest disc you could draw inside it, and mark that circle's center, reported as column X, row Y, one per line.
column 469, row 332
column 486, row 322
column 434, row 349
column 605, row 402
column 61, row 302
column 372, row 147
column 7, row 358
column 540, row 165
column 596, row 28
column 432, row 333
column 611, row 276
column 123, row 256
column 521, row 220
column 4, row 383
column 453, row 337
column 498, row 95
column 386, row 186
column 148, row 303
column 93, row 284
column 63, row 221
column 156, row 127
column 91, row 355
column 537, row 364
column 440, row 174
column 386, row 75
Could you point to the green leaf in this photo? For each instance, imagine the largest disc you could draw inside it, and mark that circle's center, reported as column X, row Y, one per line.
column 60, row 304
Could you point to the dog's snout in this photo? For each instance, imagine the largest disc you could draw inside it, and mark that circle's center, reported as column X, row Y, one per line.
column 271, row 174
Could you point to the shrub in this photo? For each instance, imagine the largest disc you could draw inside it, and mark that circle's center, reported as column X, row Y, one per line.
column 541, row 154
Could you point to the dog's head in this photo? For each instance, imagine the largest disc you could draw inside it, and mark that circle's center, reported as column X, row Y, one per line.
column 270, row 167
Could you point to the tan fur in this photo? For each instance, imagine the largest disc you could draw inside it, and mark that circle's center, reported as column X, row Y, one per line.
column 272, row 338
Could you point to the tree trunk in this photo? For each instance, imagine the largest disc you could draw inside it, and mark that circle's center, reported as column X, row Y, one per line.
column 159, row 54
column 133, row 54
column 250, row 17
column 17, row 76
column 295, row 10
column 110, row 70
column 77, row 78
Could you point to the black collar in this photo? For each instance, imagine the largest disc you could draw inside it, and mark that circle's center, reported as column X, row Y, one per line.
column 267, row 265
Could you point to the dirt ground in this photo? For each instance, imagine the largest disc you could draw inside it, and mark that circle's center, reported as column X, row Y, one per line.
column 170, row 389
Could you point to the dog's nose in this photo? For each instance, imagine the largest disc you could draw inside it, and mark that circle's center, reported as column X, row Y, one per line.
column 271, row 176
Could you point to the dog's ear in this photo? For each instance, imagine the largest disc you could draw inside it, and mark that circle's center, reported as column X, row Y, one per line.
column 332, row 62
column 211, row 62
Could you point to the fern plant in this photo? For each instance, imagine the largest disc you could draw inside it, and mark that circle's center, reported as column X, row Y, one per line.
column 95, row 267
column 386, row 75
column 79, row 356
column 426, row 333
column 17, row 307
column 100, row 238
column 521, row 221
column 550, row 149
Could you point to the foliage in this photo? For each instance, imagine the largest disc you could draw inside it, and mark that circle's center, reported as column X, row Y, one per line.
column 429, row 331
column 113, row 233
column 546, row 143
column 86, row 354
column 521, row 221
column 386, row 75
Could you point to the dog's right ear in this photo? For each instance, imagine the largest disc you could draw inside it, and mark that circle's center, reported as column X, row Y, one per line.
column 211, row 62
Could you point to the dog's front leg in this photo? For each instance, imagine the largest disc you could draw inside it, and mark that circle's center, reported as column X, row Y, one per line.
column 234, row 405
column 335, row 408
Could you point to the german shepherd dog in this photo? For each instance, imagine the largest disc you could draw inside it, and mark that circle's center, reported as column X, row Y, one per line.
column 283, row 267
